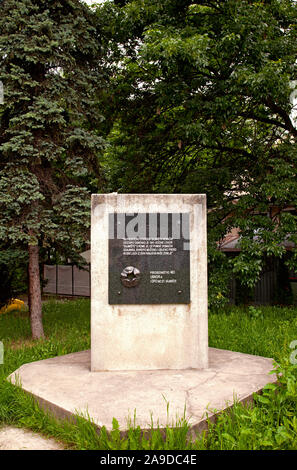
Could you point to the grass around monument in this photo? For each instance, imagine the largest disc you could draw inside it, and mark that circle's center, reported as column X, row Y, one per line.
column 271, row 423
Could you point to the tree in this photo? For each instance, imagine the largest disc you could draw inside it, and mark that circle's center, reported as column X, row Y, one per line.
column 50, row 67
column 201, row 103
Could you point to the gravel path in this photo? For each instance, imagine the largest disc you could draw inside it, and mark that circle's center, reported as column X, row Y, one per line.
column 22, row 439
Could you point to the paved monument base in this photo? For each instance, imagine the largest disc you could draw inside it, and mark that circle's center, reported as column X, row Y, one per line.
column 65, row 385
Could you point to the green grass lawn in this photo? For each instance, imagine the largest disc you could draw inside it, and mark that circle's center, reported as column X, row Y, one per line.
column 267, row 331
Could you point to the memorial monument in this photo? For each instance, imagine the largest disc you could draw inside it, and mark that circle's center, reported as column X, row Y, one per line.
column 149, row 282
column 149, row 339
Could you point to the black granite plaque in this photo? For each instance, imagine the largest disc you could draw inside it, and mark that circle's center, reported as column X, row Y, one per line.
column 149, row 258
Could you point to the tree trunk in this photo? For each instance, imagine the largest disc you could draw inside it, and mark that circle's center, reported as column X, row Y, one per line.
column 35, row 293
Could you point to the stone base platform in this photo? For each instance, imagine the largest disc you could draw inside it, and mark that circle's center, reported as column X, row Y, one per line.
column 65, row 386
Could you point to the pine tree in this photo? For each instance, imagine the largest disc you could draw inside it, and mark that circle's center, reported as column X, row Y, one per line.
column 50, row 68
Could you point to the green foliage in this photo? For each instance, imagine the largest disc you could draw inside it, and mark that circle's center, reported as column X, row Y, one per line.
column 49, row 123
column 262, row 331
column 269, row 424
column 219, row 278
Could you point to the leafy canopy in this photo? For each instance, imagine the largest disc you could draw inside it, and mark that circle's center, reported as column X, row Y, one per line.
column 201, row 103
